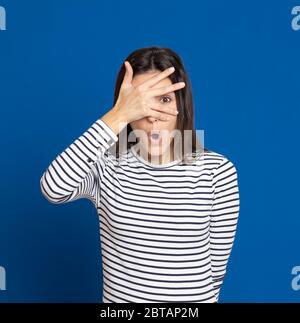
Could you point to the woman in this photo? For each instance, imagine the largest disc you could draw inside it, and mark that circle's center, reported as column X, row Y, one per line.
column 167, row 215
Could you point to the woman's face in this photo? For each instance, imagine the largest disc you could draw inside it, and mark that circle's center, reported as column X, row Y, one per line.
column 148, row 124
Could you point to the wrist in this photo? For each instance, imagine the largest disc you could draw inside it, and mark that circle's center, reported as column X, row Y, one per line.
column 115, row 119
column 119, row 114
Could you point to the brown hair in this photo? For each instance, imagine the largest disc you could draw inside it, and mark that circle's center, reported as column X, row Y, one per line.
column 160, row 58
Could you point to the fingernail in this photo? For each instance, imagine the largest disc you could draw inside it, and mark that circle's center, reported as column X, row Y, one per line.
column 172, row 68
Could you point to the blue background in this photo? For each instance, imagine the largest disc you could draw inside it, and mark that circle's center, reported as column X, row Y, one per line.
column 58, row 65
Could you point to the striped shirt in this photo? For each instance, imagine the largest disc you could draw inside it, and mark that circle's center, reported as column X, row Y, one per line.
column 166, row 231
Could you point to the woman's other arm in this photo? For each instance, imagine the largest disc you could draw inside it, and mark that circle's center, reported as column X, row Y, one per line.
column 224, row 217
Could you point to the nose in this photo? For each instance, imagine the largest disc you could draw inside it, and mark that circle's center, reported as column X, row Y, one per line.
column 151, row 119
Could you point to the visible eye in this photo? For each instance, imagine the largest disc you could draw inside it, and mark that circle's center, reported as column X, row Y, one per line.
column 166, row 97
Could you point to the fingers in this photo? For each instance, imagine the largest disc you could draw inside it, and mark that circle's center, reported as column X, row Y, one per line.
column 158, row 115
column 156, row 78
column 170, row 111
column 128, row 74
column 166, row 89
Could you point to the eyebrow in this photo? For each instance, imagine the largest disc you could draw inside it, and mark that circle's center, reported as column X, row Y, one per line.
column 169, row 93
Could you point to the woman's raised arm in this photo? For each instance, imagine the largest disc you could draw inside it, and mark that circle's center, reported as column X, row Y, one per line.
column 74, row 173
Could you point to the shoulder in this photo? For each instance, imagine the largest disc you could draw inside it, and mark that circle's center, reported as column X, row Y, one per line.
column 216, row 162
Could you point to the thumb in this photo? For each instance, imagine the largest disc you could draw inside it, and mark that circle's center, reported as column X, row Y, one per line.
column 128, row 74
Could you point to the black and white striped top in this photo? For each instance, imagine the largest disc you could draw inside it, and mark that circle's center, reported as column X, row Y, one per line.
column 166, row 230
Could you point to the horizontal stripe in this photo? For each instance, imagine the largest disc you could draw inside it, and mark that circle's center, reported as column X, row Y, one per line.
column 166, row 231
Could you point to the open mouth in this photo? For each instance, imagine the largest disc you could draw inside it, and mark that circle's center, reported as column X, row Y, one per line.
column 155, row 137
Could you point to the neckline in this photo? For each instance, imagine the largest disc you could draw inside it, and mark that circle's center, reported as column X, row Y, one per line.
column 142, row 160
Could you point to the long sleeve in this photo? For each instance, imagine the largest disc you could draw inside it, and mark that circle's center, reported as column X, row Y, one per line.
column 224, row 217
column 75, row 172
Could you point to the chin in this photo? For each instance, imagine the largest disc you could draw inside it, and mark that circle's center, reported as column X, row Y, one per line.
column 156, row 150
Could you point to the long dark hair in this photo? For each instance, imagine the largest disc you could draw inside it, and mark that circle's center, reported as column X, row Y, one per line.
column 160, row 58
